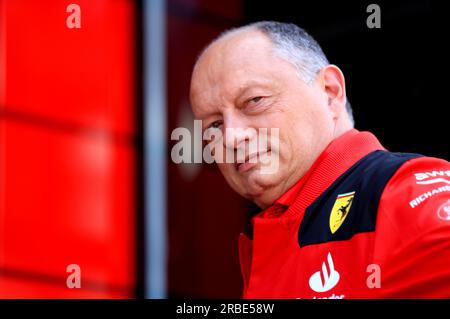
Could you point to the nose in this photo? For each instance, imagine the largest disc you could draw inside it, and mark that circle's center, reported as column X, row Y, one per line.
column 236, row 131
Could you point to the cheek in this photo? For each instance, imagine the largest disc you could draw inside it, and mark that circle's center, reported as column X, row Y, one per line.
column 287, row 127
column 296, row 142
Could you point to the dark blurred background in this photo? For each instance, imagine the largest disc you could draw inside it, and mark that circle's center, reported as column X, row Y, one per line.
column 392, row 73
column 73, row 159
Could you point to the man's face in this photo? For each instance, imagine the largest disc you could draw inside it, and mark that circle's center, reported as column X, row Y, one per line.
column 240, row 83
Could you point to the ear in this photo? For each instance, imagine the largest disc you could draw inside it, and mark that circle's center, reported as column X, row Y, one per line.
column 332, row 82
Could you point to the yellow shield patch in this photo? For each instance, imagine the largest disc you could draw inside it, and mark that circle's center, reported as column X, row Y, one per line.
column 340, row 210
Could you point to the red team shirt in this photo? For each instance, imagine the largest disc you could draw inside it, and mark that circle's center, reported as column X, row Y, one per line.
column 340, row 232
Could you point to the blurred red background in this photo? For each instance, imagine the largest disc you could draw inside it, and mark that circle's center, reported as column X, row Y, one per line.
column 70, row 148
column 67, row 151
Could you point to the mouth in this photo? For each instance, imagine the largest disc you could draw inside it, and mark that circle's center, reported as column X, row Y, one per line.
column 250, row 162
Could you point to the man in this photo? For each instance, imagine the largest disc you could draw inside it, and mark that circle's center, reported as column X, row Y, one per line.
column 341, row 216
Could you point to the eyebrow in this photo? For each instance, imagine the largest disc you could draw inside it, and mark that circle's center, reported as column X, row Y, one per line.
column 242, row 89
column 202, row 117
column 250, row 84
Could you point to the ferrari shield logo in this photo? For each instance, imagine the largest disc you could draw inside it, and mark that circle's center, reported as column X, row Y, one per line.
column 340, row 210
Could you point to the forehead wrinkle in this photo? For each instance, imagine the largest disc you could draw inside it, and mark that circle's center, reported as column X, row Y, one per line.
column 228, row 61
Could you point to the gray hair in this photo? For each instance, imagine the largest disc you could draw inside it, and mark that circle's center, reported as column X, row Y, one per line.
column 296, row 46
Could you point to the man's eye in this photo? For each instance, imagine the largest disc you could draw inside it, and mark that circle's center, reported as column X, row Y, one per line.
column 255, row 99
column 215, row 124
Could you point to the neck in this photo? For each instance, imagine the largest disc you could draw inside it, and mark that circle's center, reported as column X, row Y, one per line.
column 343, row 124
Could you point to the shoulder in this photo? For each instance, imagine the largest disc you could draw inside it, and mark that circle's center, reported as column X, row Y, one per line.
column 417, row 196
column 413, row 228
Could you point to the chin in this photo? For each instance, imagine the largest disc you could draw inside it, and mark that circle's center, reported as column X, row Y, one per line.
column 257, row 184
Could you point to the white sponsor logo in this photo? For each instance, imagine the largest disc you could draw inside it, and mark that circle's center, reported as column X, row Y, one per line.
column 423, row 197
column 432, row 177
column 333, row 296
column 329, row 274
column 444, row 211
